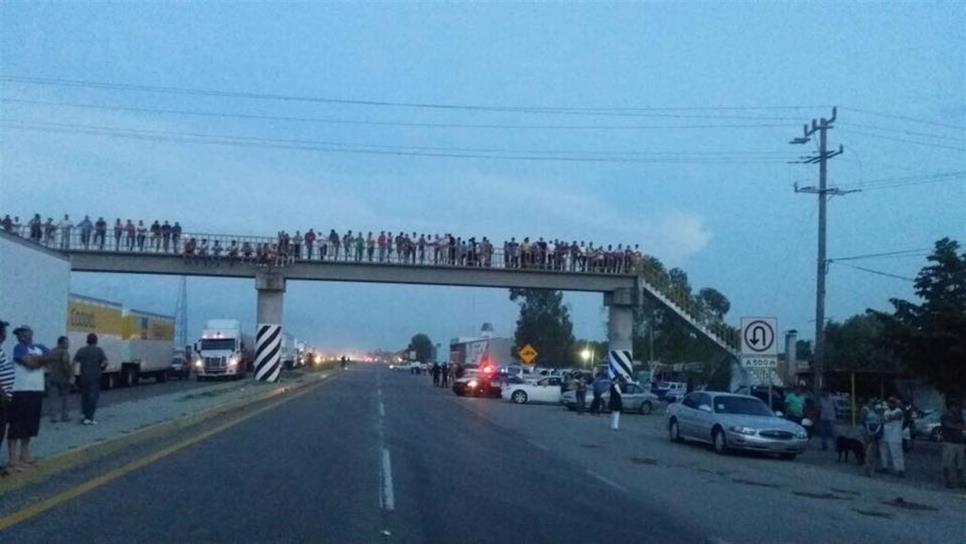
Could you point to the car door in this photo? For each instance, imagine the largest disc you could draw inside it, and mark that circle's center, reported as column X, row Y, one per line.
column 543, row 389
column 686, row 412
column 703, row 417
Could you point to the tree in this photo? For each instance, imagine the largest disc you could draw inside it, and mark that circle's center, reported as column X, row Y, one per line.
column 803, row 350
column 423, row 346
column 858, row 344
column 930, row 337
column 545, row 324
column 714, row 305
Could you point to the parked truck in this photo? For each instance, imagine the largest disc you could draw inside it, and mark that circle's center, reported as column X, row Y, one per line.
column 138, row 344
column 34, row 287
column 223, row 351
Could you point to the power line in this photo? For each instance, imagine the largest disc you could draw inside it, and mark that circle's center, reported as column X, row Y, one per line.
column 906, row 140
column 591, row 111
column 879, row 272
column 683, row 154
column 340, row 121
column 904, row 118
column 906, row 132
column 336, row 147
column 900, row 253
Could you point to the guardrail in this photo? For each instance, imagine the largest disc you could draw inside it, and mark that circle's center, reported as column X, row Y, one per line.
column 215, row 249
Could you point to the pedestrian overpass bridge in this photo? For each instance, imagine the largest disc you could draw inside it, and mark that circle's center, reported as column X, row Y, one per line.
column 622, row 290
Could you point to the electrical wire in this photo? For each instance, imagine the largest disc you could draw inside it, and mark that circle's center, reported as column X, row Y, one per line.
column 901, row 253
column 903, row 118
column 591, row 111
column 879, row 272
column 904, row 131
column 338, row 147
column 340, row 121
column 906, row 140
column 763, row 154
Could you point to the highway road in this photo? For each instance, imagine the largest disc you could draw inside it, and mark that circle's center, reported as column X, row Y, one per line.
column 376, row 456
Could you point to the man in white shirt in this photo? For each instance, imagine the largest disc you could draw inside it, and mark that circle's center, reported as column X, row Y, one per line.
column 28, row 396
column 65, row 226
column 891, row 447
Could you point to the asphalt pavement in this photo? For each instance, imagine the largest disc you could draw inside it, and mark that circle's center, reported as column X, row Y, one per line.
column 377, row 456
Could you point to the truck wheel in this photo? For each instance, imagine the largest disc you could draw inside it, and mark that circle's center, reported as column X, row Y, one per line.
column 162, row 376
column 131, row 377
column 109, row 381
column 199, row 378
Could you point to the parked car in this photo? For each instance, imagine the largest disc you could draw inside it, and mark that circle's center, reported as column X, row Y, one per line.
column 729, row 421
column 636, row 399
column 180, row 368
column 670, row 391
column 927, row 426
column 475, row 383
column 545, row 389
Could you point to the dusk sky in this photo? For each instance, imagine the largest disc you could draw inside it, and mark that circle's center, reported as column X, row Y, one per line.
column 685, row 109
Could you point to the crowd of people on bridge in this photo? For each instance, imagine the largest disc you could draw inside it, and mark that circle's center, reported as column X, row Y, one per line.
column 94, row 235
column 283, row 249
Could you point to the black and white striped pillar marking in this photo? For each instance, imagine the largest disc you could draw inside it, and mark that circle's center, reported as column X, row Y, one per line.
column 620, row 363
column 268, row 353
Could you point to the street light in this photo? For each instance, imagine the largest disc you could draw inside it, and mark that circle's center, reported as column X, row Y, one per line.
column 588, row 356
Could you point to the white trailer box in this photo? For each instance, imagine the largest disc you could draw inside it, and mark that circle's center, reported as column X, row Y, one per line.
column 149, row 342
column 34, row 286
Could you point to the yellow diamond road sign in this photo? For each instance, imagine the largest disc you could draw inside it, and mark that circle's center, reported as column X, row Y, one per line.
column 528, row 354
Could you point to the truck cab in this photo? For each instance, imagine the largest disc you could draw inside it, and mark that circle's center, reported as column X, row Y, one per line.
column 223, row 351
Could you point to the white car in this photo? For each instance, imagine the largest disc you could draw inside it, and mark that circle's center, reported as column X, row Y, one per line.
column 545, row 389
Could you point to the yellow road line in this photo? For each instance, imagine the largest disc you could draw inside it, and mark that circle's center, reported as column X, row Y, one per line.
column 94, row 483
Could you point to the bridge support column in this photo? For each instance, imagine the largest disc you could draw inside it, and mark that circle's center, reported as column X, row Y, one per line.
column 620, row 331
column 270, row 286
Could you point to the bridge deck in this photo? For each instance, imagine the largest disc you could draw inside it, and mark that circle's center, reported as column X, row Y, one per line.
column 167, row 264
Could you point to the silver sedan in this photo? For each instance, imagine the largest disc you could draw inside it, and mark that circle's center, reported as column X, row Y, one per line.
column 734, row 422
column 636, row 399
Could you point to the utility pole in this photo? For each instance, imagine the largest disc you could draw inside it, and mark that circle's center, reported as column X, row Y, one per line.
column 820, row 127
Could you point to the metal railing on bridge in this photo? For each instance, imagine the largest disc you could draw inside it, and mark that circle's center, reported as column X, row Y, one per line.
column 222, row 249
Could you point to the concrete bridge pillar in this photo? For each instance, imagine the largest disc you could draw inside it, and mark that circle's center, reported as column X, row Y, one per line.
column 620, row 331
column 270, row 285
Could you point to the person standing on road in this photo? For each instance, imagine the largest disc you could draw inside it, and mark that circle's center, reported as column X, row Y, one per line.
column 826, row 418
column 60, row 374
column 601, row 384
column 871, row 434
column 953, row 451
column 28, row 397
column 435, row 374
column 92, row 361
column 6, row 389
column 891, row 447
column 581, row 392
column 444, row 375
column 615, row 403
column 795, row 405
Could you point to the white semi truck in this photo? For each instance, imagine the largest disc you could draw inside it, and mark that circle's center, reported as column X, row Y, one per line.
column 223, row 351
column 34, row 286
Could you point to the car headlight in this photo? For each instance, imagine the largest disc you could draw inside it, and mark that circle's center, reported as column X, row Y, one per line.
column 743, row 430
column 233, row 360
column 472, row 383
column 198, row 363
column 801, row 434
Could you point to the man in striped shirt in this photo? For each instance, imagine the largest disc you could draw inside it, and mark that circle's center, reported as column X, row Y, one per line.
column 6, row 388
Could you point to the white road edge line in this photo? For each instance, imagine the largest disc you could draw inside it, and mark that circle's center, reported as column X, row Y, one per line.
column 388, row 496
column 382, row 409
column 607, row 481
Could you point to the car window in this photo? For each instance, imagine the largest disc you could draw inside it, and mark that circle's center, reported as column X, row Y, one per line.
column 543, row 382
column 704, row 398
column 691, row 401
column 725, row 404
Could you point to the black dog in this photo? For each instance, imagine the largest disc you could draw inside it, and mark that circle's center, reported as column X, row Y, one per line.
column 844, row 445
